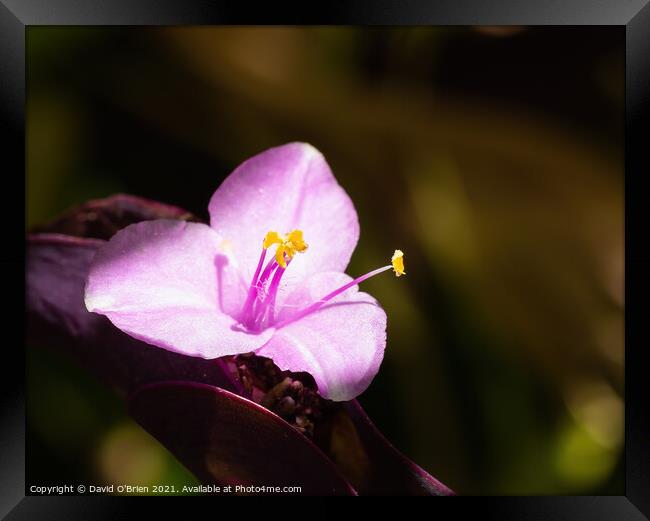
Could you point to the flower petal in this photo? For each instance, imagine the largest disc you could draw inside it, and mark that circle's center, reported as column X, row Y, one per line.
column 228, row 440
column 57, row 267
column 341, row 345
column 282, row 189
column 169, row 283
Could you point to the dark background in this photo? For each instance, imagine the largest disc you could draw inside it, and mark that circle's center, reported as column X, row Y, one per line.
column 492, row 156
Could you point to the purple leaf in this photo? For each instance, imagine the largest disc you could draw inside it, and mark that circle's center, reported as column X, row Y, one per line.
column 389, row 472
column 228, row 440
column 102, row 218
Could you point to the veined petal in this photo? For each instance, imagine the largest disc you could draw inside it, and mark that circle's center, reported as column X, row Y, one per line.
column 287, row 188
column 171, row 284
column 341, row 344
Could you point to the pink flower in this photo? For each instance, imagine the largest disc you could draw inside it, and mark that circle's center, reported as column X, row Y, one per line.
column 219, row 431
column 266, row 276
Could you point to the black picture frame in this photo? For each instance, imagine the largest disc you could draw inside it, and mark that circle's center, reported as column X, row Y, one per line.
column 634, row 15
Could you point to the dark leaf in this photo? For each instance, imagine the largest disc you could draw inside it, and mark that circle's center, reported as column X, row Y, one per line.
column 228, row 440
column 388, row 471
column 102, row 218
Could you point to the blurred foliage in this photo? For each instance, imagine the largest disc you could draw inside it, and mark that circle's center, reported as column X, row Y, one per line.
column 78, row 432
column 493, row 158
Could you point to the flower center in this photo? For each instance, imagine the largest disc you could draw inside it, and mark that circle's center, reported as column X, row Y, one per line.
column 258, row 311
column 288, row 245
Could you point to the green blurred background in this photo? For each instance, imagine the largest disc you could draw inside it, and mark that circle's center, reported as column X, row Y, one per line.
column 492, row 156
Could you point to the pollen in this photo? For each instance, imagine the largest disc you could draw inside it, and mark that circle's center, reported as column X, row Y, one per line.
column 271, row 239
column 288, row 245
column 296, row 242
column 398, row 263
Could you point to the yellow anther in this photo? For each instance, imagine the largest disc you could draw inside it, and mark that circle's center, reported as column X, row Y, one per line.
column 398, row 263
column 288, row 245
column 296, row 242
column 279, row 255
column 271, row 239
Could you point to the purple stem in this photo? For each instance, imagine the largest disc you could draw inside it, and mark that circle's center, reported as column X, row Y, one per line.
column 273, row 291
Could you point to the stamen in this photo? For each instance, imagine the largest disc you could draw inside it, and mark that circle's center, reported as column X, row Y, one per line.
column 257, row 301
column 259, row 308
column 252, row 291
column 273, row 292
column 270, row 267
column 271, row 239
column 264, row 308
column 296, row 241
column 288, row 245
column 397, row 264
column 260, row 293
column 397, row 260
